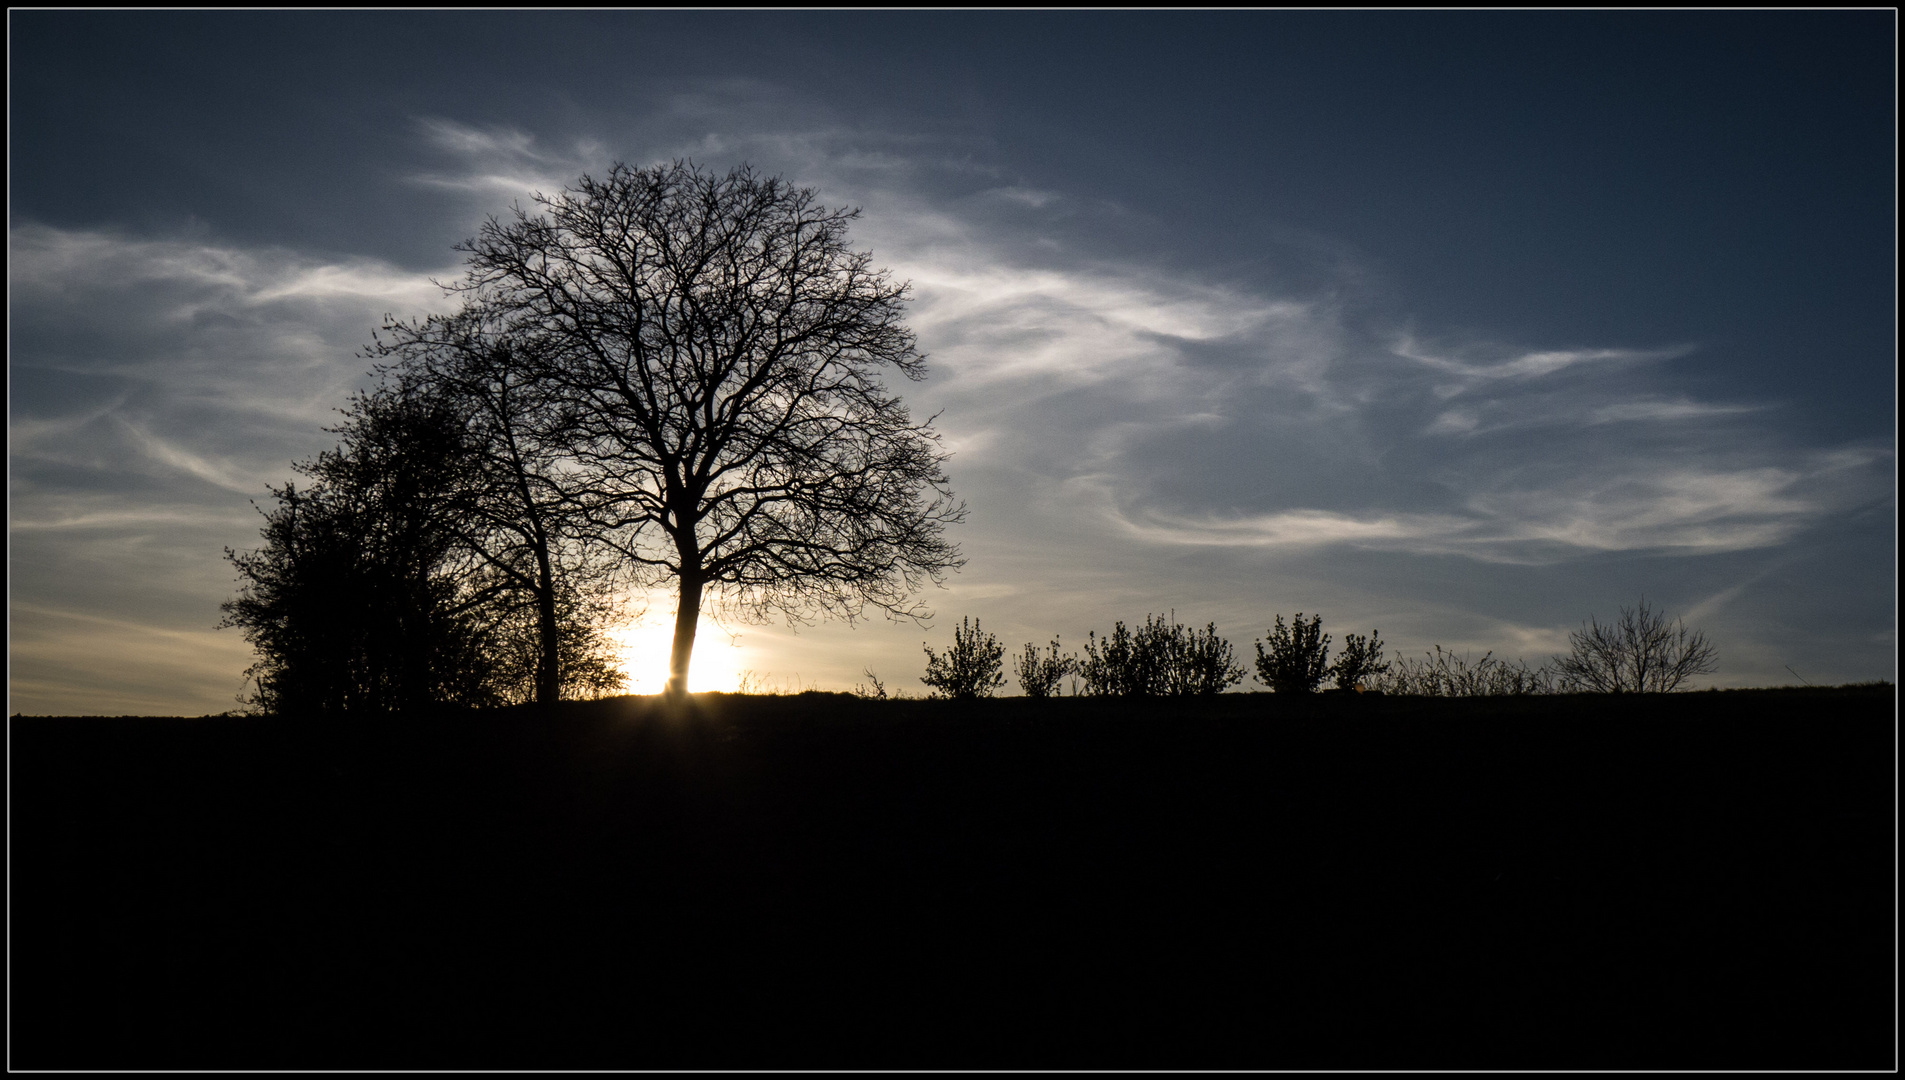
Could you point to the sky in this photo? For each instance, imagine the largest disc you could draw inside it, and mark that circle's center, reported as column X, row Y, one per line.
column 1461, row 326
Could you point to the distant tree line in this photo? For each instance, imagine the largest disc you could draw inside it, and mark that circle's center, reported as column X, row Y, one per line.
column 1640, row 652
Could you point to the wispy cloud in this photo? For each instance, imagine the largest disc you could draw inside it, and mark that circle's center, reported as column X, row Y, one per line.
column 1493, row 414
column 501, row 164
column 1685, row 511
column 268, row 331
column 1062, row 328
column 221, row 474
column 1679, row 409
column 1299, row 529
column 1533, row 364
column 169, row 380
column 1713, row 604
column 138, row 519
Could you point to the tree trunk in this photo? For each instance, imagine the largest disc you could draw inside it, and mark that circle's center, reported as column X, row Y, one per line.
column 548, row 670
column 687, row 617
column 548, row 673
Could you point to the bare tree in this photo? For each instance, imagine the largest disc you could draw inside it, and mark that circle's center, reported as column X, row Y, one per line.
column 515, row 515
column 1640, row 653
column 721, row 346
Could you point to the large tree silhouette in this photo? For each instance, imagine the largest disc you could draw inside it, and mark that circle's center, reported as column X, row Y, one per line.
column 721, row 348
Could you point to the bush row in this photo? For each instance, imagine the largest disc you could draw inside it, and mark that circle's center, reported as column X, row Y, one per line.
column 1640, row 652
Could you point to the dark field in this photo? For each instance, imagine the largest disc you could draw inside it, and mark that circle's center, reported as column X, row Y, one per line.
column 1700, row 880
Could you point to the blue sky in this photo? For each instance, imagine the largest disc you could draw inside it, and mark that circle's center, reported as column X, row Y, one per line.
column 1464, row 326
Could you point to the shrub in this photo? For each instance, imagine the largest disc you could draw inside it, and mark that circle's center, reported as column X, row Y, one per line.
column 1361, row 662
column 1200, row 662
column 970, row 669
column 1446, row 674
column 1039, row 676
column 1162, row 659
column 1297, row 657
column 1118, row 665
column 1639, row 653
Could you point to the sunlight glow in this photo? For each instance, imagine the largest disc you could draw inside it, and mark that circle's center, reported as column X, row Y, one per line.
column 717, row 663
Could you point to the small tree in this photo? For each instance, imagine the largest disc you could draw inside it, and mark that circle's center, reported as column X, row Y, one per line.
column 1297, row 658
column 1640, row 653
column 970, row 669
column 1039, row 675
column 1360, row 662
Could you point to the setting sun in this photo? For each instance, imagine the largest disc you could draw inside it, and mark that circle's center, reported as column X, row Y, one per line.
column 718, row 662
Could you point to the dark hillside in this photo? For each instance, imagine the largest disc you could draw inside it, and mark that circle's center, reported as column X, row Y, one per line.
column 1695, row 880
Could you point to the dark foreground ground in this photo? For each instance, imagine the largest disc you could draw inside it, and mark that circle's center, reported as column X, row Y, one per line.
column 1703, row 880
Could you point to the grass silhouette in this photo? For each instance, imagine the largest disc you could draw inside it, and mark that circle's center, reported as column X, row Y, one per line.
column 818, row 880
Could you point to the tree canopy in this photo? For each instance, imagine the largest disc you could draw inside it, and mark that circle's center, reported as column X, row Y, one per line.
column 719, row 348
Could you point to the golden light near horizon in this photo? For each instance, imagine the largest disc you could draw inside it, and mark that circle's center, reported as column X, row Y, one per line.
column 643, row 647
